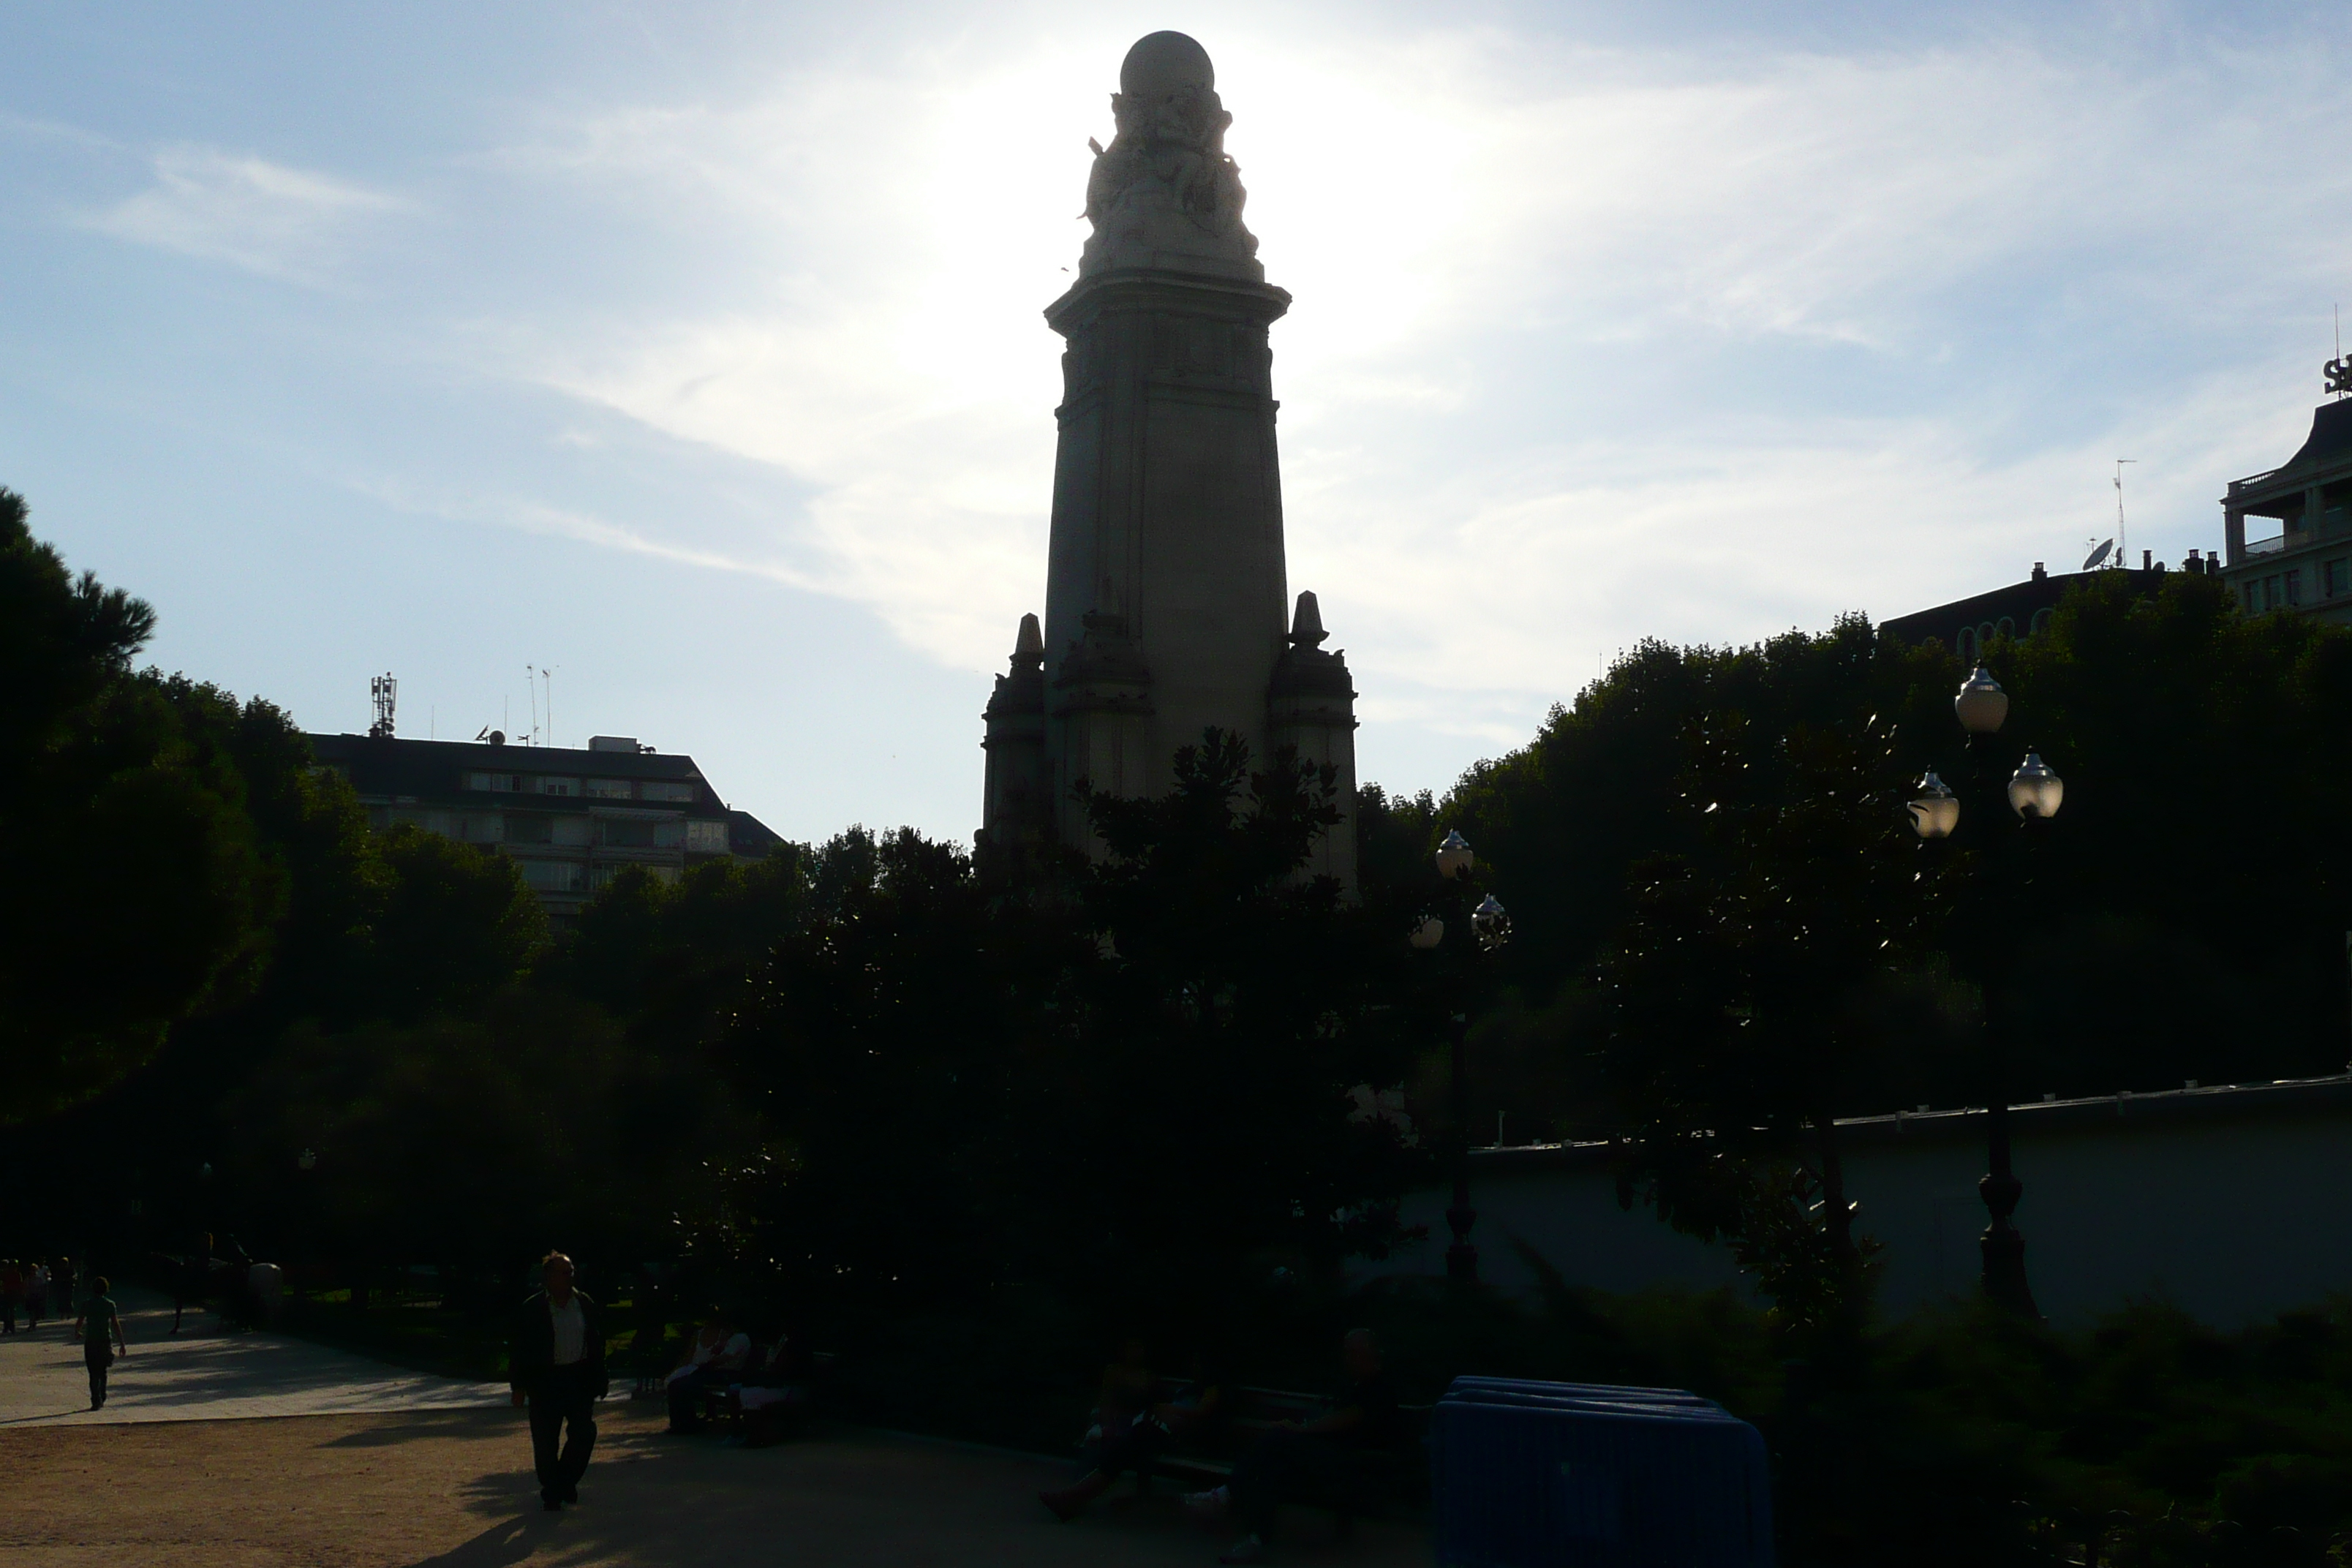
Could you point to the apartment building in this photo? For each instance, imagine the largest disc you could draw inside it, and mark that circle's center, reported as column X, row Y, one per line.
column 571, row 819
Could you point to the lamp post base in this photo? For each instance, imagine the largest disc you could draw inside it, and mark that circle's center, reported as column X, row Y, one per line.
column 2004, row 1271
column 2003, row 1247
column 1461, row 1259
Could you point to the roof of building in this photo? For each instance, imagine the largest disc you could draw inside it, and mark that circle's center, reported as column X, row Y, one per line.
column 2330, row 438
column 2017, row 602
column 389, row 757
column 2329, row 445
column 436, row 770
column 746, row 834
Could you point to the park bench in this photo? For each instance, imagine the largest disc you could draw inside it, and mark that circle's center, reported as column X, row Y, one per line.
column 764, row 1421
column 1206, row 1456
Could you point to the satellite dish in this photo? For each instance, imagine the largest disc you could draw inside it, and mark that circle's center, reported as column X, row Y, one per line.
column 2098, row 555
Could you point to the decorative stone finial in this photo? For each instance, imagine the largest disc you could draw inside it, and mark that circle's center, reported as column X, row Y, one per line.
column 1032, row 640
column 1161, row 64
column 1163, row 194
column 1307, row 623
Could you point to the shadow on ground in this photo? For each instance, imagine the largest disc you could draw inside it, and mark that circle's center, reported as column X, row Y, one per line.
column 849, row 1499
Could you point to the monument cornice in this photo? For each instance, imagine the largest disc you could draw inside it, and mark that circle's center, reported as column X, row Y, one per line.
column 1155, row 289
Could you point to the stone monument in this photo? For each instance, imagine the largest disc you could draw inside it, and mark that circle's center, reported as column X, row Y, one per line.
column 1165, row 592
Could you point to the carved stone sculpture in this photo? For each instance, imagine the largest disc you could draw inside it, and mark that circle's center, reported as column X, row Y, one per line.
column 1164, row 193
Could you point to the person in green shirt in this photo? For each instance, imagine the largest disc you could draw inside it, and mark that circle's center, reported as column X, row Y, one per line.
column 98, row 1320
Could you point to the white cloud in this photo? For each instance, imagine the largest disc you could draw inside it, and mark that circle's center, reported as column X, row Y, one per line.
column 280, row 222
column 1474, row 227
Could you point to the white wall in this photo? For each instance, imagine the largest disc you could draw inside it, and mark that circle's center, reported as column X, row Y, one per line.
column 2232, row 1218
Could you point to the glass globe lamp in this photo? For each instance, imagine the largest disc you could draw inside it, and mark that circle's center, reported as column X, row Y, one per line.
column 1982, row 705
column 1937, row 811
column 1491, row 924
column 1428, row 933
column 1453, row 856
column 2034, row 790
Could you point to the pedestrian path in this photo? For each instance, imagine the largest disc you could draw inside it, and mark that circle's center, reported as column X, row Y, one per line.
column 205, row 1375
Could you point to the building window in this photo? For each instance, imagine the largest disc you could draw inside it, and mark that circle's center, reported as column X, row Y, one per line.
column 2295, row 586
column 2006, row 628
column 707, row 837
column 2247, row 590
column 659, row 789
column 610, row 789
column 2272, row 598
column 2334, row 578
column 2040, row 624
column 603, row 876
column 507, row 783
column 1965, row 645
column 635, row 834
column 559, row 786
column 554, row 876
column 521, row 829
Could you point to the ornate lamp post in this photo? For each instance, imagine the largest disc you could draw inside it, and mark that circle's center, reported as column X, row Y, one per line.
column 2033, row 793
column 1480, row 928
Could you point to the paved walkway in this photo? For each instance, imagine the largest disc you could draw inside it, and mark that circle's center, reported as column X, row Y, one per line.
column 207, row 1375
column 452, row 1488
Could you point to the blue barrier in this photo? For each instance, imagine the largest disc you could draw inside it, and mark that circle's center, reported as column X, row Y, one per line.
column 1563, row 1476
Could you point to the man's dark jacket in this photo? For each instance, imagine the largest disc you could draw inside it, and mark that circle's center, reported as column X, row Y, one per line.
column 530, row 1356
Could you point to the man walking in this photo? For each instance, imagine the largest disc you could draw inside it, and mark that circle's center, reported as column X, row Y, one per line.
column 557, row 1366
column 99, row 1317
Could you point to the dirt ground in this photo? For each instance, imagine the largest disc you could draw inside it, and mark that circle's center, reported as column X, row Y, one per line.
column 452, row 1488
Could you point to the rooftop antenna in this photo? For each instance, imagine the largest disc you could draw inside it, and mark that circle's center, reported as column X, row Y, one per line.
column 383, row 691
column 547, row 681
column 530, row 685
column 2123, row 544
column 2339, row 369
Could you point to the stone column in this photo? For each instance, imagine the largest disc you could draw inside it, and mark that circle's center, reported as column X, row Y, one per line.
column 1311, row 706
column 1017, row 810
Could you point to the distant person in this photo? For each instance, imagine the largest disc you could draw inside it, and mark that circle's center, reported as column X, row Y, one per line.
column 1133, row 1430
column 717, row 1358
column 192, row 1278
column 98, row 1320
column 62, row 1286
column 557, row 1366
column 12, row 1294
column 1335, row 1460
column 36, row 1294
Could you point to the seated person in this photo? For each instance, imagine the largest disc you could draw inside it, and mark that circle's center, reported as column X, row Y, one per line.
column 774, row 1394
column 714, row 1359
column 1131, row 1431
column 1336, row 1460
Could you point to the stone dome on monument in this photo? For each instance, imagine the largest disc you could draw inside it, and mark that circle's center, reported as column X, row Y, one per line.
column 1162, row 65
column 1167, row 608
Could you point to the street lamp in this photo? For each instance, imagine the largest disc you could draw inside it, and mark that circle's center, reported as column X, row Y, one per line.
column 1487, row 927
column 2035, row 793
column 2034, row 790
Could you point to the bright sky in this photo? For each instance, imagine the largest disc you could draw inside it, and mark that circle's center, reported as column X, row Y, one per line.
column 694, row 350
